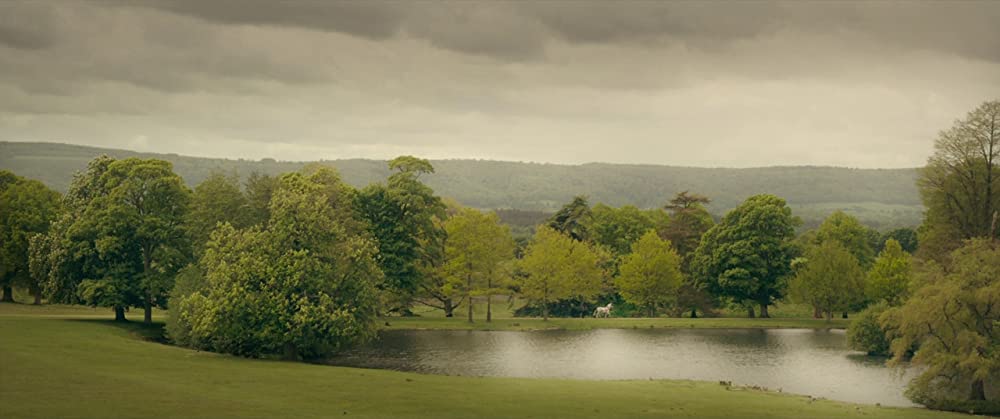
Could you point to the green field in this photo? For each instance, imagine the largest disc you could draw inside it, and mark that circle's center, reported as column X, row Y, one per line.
column 58, row 363
column 783, row 316
column 460, row 323
column 503, row 320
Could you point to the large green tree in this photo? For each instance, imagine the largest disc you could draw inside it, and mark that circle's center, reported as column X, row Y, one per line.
column 688, row 222
column 303, row 286
column 850, row 233
column 617, row 228
column 889, row 277
column 475, row 250
column 960, row 186
column 650, row 276
column 906, row 237
column 217, row 199
column 954, row 321
column 137, row 228
column 831, row 279
column 861, row 241
column 39, row 264
column 258, row 190
column 747, row 256
column 403, row 215
column 7, row 178
column 435, row 288
column 73, row 250
column 573, row 219
column 559, row 267
column 27, row 208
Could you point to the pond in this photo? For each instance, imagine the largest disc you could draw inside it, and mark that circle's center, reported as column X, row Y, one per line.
column 808, row 362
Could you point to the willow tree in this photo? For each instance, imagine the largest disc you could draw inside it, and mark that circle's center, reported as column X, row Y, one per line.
column 954, row 321
column 960, row 186
column 559, row 267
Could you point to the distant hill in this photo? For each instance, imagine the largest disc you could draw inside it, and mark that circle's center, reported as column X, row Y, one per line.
column 882, row 198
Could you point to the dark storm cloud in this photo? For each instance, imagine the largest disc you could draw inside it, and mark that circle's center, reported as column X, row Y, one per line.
column 26, row 26
column 516, row 30
column 375, row 20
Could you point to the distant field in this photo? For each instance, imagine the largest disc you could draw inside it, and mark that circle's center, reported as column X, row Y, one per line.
column 458, row 323
column 783, row 316
column 55, row 368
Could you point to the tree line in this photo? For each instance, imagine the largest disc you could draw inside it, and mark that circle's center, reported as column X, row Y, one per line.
column 881, row 198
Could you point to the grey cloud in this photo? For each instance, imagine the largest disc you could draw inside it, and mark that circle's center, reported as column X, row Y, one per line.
column 145, row 48
column 705, row 83
column 518, row 30
column 377, row 20
column 28, row 26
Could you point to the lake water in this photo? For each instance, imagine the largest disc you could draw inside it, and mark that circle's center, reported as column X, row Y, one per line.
column 808, row 362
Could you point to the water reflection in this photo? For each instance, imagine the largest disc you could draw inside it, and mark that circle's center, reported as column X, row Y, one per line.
column 813, row 362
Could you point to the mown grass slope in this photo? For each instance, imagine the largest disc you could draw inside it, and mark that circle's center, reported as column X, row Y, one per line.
column 62, row 367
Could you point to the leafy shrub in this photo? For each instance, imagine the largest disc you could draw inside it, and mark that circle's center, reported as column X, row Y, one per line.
column 866, row 333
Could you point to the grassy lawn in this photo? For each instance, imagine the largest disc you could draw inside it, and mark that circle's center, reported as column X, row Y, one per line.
column 503, row 320
column 85, row 367
column 783, row 316
column 75, row 311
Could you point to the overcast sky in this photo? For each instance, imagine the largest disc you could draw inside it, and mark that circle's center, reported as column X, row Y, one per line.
column 695, row 84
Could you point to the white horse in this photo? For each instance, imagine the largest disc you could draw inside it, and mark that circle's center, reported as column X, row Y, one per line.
column 603, row 311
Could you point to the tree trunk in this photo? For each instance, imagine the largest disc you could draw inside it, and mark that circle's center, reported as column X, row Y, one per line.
column 694, row 313
column 978, row 390
column 750, row 313
column 763, row 311
column 843, row 315
column 449, row 308
column 38, row 298
column 545, row 305
column 120, row 314
column 291, row 354
column 148, row 315
column 489, row 298
column 147, row 263
column 817, row 313
column 469, row 282
column 8, row 295
column 829, row 316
